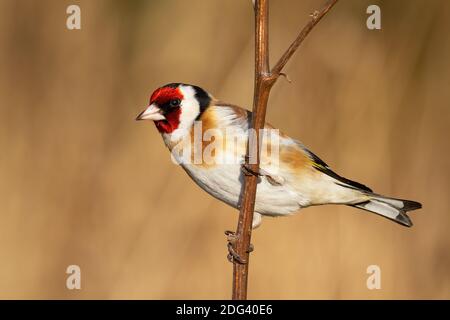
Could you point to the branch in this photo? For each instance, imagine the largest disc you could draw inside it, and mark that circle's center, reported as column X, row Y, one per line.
column 264, row 80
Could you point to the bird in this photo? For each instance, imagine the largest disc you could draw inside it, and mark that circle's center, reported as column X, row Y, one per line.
column 289, row 179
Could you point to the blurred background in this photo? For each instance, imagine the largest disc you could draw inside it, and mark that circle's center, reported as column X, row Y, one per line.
column 82, row 183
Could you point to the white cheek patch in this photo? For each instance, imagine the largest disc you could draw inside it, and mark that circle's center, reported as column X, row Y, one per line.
column 190, row 107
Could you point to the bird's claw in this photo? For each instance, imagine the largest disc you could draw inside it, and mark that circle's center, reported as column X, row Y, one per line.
column 273, row 180
column 233, row 256
column 248, row 171
column 231, row 236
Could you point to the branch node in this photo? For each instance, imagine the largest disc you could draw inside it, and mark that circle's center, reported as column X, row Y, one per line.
column 248, row 171
column 286, row 77
column 314, row 15
column 270, row 78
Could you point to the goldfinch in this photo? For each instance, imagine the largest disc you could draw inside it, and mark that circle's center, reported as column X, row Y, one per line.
column 292, row 177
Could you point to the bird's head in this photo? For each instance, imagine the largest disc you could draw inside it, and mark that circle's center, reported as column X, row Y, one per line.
column 175, row 106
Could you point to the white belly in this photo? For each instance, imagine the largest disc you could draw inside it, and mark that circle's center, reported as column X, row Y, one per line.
column 224, row 182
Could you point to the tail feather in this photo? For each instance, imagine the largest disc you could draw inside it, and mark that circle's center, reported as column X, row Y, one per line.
column 391, row 208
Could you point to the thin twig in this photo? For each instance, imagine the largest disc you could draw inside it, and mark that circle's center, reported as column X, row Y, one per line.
column 264, row 80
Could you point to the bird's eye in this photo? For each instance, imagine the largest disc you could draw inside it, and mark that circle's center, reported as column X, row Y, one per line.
column 175, row 102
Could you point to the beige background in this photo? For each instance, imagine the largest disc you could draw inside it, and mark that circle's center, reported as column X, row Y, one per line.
column 82, row 183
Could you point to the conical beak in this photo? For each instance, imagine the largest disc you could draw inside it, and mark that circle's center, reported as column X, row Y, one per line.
column 151, row 113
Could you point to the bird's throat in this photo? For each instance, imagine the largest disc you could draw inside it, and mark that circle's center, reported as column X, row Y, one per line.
column 171, row 122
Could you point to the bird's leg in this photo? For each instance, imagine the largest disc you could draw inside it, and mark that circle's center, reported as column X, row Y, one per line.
column 272, row 179
column 249, row 171
column 233, row 256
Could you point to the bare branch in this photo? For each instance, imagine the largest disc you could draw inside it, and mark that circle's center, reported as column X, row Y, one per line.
column 240, row 246
column 316, row 16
